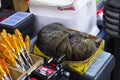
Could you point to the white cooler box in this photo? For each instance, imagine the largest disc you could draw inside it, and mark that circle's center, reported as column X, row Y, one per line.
column 75, row 14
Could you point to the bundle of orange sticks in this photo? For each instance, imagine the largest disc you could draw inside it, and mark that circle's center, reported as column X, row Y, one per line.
column 15, row 50
column 4, row 71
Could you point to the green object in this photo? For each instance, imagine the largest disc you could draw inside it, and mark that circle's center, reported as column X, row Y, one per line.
column 97, row 0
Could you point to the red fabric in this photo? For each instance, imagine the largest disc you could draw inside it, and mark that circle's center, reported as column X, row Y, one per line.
column 3, row 18
column 99, row 11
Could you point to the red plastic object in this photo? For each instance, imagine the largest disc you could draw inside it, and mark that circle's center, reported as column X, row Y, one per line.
column 33, row 78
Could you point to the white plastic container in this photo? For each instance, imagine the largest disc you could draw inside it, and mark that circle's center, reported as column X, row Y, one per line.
column 0, row 3
column 75, row 14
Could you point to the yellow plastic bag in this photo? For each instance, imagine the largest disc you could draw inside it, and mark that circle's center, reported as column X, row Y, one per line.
column 37, row 51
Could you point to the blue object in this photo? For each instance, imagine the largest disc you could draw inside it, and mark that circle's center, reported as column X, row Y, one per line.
column 19, row 20
column 101, row 68
column 15, row 18
column 102, row 35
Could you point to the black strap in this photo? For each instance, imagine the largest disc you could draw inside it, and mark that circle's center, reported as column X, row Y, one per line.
column 107, row 6
column 111, row 28
column 110, row 33
column 110, row 15
column 110, row 22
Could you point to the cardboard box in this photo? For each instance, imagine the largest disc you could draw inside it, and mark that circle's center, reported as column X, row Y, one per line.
column 18, row 74
column 20, row 5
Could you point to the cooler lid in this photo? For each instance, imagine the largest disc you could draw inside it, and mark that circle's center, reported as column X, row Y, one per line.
column 52, row 2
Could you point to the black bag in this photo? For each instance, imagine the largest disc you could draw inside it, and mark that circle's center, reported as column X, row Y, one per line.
column 111, row 22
